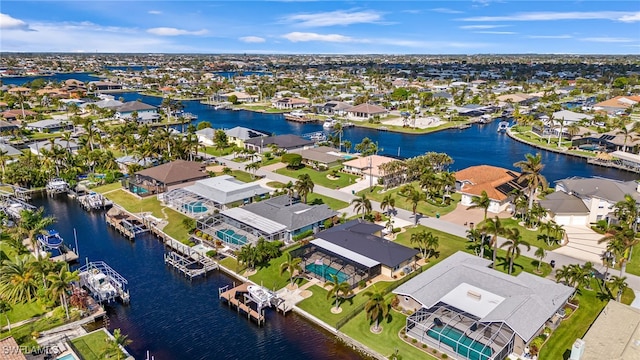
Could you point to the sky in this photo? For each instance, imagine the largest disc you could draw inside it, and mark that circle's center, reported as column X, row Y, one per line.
column 322, row 27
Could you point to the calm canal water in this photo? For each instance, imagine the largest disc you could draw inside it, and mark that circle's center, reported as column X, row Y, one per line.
column 173, row 318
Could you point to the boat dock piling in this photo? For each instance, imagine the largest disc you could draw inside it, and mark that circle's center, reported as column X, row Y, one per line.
column 94, row 201
column 231, row 297
column 127, row 224
column 190, row 265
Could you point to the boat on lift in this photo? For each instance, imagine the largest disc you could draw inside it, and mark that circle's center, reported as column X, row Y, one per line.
column 260, row 295
column 330, row 123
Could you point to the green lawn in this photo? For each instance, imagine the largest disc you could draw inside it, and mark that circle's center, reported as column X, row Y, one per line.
column 449, row 244
column 232, row 264
column 93, row 345
column 320, row 177
column 243, row 176
column 269, row 276
column 401, row 202
column 529, row 236
column 275, row 184
column 272, row 161
column 320, row 306
column 388, row 340
column 24, row 334
column 331, row 202
column 408, row 130
column 218, row 152
column 152, row 204
column 633, row 265
column 559, row 344
column 21, row 312
column 109, row 187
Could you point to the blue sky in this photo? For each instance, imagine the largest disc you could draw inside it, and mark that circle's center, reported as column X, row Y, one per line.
column 325, row 27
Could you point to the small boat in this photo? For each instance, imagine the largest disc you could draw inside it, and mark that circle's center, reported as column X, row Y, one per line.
column 485, row 119
column 104, row 283
column 330, row 123
column 260, row 295
column 296, row 115
column 57, row 186
column 318, row 137
column 503, row 126
column 223, row 106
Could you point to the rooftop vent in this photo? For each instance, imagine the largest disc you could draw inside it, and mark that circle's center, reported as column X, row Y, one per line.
column 474, row 295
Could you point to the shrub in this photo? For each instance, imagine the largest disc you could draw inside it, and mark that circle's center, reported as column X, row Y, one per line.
column 212, row 253
column 424, row 346
column 395, row 301
column 396, row 230
column 568, row 311
column 575, row 301
column 377, row 216
column 413, row 341
column 444, row 356
column 401, row 273
column 362, row 284
column 303, row 235
column 292, row 160
column 434, row 351
column 328, row 223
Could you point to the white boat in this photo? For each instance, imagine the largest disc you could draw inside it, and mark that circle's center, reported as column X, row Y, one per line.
column 484, row 119
column 318, row 137
column 260, row 295
column 100, row 286
column 329, row 123
column 57, row 185
column 503, row 126
column 104, row 283
column 296, row 115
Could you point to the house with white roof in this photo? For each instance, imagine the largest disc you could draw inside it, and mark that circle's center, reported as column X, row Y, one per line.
column 469, row 311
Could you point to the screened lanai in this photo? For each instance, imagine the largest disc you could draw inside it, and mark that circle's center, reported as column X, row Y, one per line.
column 189, row 203
column 321, row 259
column 460, row 334
column 237, row 227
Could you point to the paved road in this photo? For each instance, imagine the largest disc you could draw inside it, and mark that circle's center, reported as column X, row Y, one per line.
column 438, row 224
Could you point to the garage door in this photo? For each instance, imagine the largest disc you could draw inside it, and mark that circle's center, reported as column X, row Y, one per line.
column 571, row 220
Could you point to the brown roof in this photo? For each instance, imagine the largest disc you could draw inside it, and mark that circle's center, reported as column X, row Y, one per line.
column 485, row 178
column 12, row 114
column 9, row 349
column 19, row 89
column 175, row 172
column 367, row 109
column 618, row 102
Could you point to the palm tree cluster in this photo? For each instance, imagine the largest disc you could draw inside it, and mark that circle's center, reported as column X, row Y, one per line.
column 427, row 243
column 261, row 253
column 621, row 238
column 431, row 164
column 495, row 228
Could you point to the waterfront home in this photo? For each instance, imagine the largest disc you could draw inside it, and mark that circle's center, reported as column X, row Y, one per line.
column 599, row 194
column 238, row 135
column 49, row 125
column 321, row 157
column 217, row 193
column 366, row 111
column 518, row 98
column 610, row 141
column 565, row 209
column 569, row 117
column 111, row 104
column 281, row 218
column 104, row 85
column 162, row 178
column 241, row 97
column 469, row 311
column 126, row 161
column 205, row 136
column 7, row 126
column 355, row 252
column 338, row 108
column 15, row 114
column 614, row 335
column 617, row 104
column 37, row 147
column 19, row 90
column 9, row 150
column 496, row 181
column 290, row 103
column 367, row 167
column 146, row 113
column 284, row 142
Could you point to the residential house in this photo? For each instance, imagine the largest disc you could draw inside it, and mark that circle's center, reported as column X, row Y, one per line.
column 15, row 114
column 337, row 108
column 284, row 142
column 290, row 103
column 322, row 157
column 599, row 194
column 613, row 335
column 465, row 309
column 496, row 181
column 565, row 209
column 37, row 147
column 50, row 125
column 241, row 97
column 146, row 113
column 617, row 104
column 367, row 167
column 366, row 111
column 238, row 135
column 7, row 126
column 161, row 178
column 104, row 86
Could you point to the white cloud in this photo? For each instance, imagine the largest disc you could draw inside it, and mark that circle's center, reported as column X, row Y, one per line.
column 252, row 39
column 575, row 15
column 169, row 31
column 446, row 11
column 496, row 32
column 333, row 18
column 481, row 27
column 7, row 22
column 305, row 36
column 154, row 12
column 549, row 36
column 606, row 39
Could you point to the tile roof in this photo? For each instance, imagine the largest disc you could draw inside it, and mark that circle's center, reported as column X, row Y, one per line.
column 367, row 108
column 363, row 163
column 9, row 349
column 491, row 179
column 175, row 172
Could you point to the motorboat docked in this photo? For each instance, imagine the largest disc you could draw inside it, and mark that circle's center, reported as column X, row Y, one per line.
column 503, row 126
column 296, row 115
column 318, row 137
column 222, row 106
column 485, row 119
column 57, row 186
column 330, row 123
column 260, row 295
column 52, row 243
column 94, row 200
column 103, row 283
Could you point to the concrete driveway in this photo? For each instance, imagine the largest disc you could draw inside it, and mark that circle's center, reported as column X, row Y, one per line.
column 583, row 244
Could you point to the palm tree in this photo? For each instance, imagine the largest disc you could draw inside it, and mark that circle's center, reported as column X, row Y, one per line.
column 564, row 275
column 5, row 307
column 627, row 211
column 339, row 131
column 361, row 204
column 478, row 238
column 248, row 255
column 291, row 265
column 621, row 241
column 376, row 307
column 618, row 283
column 513, row 243
column 414, row 196
column 339, row 289
column 18, row 281
column 388, row 202
column 531, row 169
column 3, row 161
column 540, row 254
column 304, row 186
column 627, row 135
column 494, row 227
column 113, row 348
column 33, row 223
column 59, row 283
column 481, row 202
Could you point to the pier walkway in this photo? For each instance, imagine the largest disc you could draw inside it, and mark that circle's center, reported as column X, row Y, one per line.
column 231, row 297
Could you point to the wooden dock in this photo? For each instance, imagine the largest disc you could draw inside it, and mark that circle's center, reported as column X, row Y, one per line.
column 125, row 223
column 188, row 266
column 231, row 297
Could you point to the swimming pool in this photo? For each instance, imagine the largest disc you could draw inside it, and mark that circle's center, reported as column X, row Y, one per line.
column 460, row 343
column 230, row 237
column 67, row 357
column 326, row 271
column 195, row 207
column 138, row 190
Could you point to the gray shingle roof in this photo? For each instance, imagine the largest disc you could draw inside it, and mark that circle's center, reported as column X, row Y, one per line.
column 529, row 300
column 608, row 189
column 357, row 236
column 132, row 106
column 295, row 216
column 562, row 203
column 243, row 133
column 281, row 141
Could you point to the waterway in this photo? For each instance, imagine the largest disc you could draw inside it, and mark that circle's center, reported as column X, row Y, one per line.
column 173, row 318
